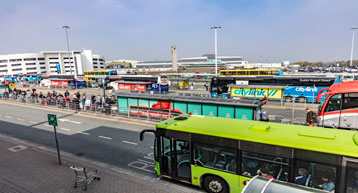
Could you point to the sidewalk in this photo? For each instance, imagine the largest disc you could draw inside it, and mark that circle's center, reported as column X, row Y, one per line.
column 36, row 169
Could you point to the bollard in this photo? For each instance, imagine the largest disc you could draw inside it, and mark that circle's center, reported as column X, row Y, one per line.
column 293, row 108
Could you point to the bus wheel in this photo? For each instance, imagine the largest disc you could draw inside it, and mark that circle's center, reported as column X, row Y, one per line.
column 288, row 99
column 302, row 100
column 214, row 184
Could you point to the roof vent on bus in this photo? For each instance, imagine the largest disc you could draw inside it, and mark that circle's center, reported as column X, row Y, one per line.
column 260, row 127
column 355, row 138
column 181, row 118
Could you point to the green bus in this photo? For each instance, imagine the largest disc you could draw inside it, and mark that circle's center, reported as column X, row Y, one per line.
column 222, row 155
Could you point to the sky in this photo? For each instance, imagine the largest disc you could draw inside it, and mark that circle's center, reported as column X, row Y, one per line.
column 257, row 30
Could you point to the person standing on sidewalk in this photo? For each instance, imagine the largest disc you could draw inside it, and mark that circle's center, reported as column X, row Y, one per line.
column 67, row 93
column 309, row 117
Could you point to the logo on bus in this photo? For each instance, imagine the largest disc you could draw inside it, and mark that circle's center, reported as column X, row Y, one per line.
column 306, row 89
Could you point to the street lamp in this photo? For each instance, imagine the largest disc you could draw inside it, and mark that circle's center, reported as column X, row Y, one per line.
column 216, row 49
column 354, row 29
column 68, row 47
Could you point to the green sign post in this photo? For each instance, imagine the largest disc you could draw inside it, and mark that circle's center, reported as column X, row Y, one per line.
column 52, row 120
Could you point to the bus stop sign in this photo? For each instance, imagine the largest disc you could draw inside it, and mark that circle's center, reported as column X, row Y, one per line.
column 52, row 120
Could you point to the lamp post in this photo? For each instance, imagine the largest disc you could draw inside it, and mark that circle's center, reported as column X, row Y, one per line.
column 354, row 29
column 68, row 47
column 216, row 49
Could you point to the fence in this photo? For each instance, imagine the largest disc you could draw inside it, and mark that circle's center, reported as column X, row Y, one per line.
column 111, row 110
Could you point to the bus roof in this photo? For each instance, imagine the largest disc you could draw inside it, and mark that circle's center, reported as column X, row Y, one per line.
column 262, row 69
column 334, row 141
column 344, row 87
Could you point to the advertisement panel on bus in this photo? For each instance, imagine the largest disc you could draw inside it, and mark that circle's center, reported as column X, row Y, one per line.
column 272, row 93
column 302, row 93
column 59, row 83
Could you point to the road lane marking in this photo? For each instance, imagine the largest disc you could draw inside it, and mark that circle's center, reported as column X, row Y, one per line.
column 8, row 117
column 130, row 142
column 67, row 120
column 145, row 161
column 33, row 122
column 65, row 129
column 19, row 119
column 84, row 133
column 104, row 137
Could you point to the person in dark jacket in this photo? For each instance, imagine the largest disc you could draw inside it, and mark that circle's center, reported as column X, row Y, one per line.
column 309, row 116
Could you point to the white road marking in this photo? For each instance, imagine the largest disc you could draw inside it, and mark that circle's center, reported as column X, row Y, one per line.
column 151, row 147
column 19, row 119
column 33, row 122
column 47, row 125
column 65, row 129
column 130, row 142
column 84, row 133
column 104, row 137
column 145, row 161
column 67, row 120
column 8, row 117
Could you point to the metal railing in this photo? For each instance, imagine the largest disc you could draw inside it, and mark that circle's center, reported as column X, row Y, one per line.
column 110, row 110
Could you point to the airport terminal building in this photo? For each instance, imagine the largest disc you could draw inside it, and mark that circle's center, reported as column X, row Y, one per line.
column 50, row 62
column 207, row 60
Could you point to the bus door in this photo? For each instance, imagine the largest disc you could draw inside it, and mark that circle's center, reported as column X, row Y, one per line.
column 175, row 159
column 349, row 110
column 332, row 111
column 349, row 177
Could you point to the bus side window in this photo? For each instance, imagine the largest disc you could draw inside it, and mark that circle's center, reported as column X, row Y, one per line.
column 254, row 73
column 215, row 157
column 351, row 182
column 232, row 73
column 316, row 175
column 240, row 73
column 223, row 73
column 264, row 73
column 269, row 166
column 334, row 103
column 350, row 101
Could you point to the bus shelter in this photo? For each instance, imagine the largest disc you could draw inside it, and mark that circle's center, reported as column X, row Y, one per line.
column 256, row 91
column 167, row 106
column 179, row 83
column 265, row 185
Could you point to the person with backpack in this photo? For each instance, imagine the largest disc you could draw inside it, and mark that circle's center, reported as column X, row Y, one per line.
column 310, row 117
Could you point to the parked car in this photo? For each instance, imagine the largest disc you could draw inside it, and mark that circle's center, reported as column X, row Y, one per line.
column 92, row 84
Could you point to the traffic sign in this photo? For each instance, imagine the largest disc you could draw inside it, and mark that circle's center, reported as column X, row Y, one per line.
column 52, row 120
column 58, row 67
column 11, row 85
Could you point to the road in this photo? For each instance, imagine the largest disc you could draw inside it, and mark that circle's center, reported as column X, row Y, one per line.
column 111, row 142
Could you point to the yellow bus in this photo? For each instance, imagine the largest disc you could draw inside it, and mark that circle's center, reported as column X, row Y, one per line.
column 92, row 75
column 250, row 72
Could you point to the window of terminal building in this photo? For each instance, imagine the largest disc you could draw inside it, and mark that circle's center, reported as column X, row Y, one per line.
column 3, row 70
column 18, row 69
column 31, row 68
column 28, row 64
column 3, row 61
column 42, row 63
column 3, row 66
column 66, row 58
column 15, row 64
column 53, row 58
column 15, row 60
column 29, row 59
column 42, row 68
column 94, row 62
column 53, row 62
column 95, row 58
column 101, row 60
column 40, row 58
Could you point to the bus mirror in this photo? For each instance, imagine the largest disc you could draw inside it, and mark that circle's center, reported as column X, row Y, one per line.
column 141, row 137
